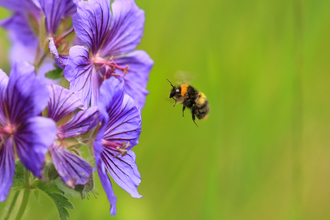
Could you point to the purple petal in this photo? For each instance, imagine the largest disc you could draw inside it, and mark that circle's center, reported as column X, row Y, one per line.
column 54, row 11
column 20, row 6
column 3, row 86
column 123, row 170
column 124, row 122
column 126, row 28
column 111, row 93
column 82, row 76
column 92, row 22
column 19, row 29
column 3, row 81
column 26, row 95
column 136, row 80
column 72, row 169
column 80, row 124
column 32, row 140
column 106, row 183
column 61, row 60
column 7, row 167
column 71, row 7
column 19, row 51
column 61, row 102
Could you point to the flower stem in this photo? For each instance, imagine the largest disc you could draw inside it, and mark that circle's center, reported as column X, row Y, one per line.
column 24, row 204
column 25, row 196
column 12, row 205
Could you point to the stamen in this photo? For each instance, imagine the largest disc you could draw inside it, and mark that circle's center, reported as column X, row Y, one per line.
column 121, row 148
column 110, row 66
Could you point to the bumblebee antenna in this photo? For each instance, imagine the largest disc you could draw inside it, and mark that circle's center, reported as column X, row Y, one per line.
column 171, row 83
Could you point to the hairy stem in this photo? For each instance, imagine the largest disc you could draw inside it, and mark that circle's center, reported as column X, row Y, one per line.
column 11, row 207
column 25, row 196
column 24, row 204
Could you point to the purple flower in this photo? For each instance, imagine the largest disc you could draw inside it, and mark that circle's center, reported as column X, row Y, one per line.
column 22, row 98
column 119, row 132
column 62, row 103
column 24, row 25
column 110, row 36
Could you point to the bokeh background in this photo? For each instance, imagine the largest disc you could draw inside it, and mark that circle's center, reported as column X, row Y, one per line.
column 264, row 151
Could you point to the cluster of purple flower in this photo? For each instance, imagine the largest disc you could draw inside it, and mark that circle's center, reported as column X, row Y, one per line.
column 93, row 42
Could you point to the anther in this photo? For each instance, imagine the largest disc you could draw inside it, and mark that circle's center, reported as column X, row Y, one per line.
column 122, row 149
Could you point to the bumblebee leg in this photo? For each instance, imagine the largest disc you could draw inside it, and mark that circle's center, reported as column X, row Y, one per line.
column 184, row 107
column 193, row 118
column 175, row 102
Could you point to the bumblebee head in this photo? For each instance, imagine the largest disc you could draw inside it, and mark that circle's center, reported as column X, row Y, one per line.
column 174, row 90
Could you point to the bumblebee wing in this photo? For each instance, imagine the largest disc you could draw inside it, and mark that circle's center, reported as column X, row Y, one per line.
column 183, row 77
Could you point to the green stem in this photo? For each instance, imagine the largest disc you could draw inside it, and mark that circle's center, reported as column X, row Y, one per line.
column 13, row 202
column 27, row 175
column 25, row 196
column 24, row 204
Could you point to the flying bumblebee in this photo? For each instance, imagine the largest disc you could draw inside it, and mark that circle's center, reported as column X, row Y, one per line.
column 192, row 99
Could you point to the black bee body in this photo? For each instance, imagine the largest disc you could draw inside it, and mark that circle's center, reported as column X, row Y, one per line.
column 192, row 99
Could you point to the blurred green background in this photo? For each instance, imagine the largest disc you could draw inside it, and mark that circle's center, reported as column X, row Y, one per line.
column 264, row 151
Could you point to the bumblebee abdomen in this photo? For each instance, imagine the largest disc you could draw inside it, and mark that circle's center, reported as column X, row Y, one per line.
column 201, row 100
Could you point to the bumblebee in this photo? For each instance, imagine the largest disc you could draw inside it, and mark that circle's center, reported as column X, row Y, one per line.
column 192, row 99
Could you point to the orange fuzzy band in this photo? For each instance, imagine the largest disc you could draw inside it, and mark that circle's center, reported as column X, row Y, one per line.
column 184, row 89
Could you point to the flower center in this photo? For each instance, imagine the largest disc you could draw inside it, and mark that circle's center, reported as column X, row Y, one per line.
column 110, row 66
column 7, row 130
column 120, row 148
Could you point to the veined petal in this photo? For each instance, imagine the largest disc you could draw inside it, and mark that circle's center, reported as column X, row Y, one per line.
column 107, row 186
column 72, row 169
column 80, row 124
column 124, row 123
column 92, row 22
column 123, row 170
column 32, row 140
column 136, row 80
column 7, row 167
column 19, row 29
column 3, row 86
column 111, row 95
column 82, row 75
column 26, row 95
column 61, row 60
column 71, row 7
column 61, row 102
column 20, row 6
column 54, row 11
column 126, row 28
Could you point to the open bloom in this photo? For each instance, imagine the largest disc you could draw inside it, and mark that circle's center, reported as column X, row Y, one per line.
column 62, row 103
column 111, row 36
column 25, row 23
column 119, row 132
column 22, row 98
